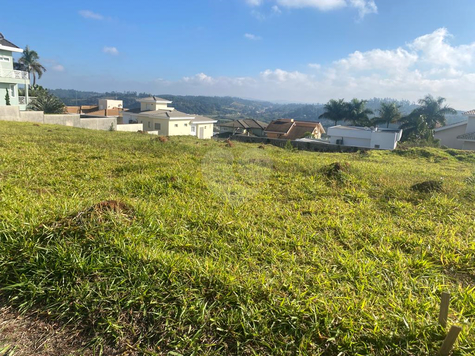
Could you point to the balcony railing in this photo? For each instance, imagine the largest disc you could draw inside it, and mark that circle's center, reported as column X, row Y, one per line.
column 13, row 74
column 22, row 100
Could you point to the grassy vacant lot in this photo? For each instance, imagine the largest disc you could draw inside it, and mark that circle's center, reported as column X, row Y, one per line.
column 216, row 250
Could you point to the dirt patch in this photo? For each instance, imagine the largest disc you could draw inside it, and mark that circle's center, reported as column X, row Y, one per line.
column 229, row 143
column 428, row 186
column 162, row 139
column 30, row 335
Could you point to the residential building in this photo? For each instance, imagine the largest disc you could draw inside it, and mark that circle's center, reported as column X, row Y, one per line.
column 460, row 135
column 289, row 129
column 105, row 108
column 249, row 127
column 364, row 137
column 10, row 79
column 160, row 119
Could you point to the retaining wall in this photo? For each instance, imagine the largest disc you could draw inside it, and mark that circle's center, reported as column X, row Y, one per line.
column 99, row 123
column 300, row 145
column 130, row 127
column 62, row 119
column 10, row 113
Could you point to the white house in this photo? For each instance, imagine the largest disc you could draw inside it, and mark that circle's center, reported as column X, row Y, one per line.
column 158, row 118
column 460, row 135
column 10, row 78
column 110, row 104
column 364, row 137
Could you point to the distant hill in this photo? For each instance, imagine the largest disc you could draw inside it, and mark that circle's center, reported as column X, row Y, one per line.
column 229, row 108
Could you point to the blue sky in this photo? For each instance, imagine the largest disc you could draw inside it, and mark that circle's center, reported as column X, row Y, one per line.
column 285, row 50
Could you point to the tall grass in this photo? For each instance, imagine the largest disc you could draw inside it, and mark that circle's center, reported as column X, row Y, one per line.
column 236, row 250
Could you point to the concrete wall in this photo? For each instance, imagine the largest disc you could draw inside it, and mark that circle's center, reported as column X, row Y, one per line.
column 301, row 145
column 130, row 127
column 179, row 127
column 99, row 123
column 469, row 145
column 9, row 113
column 32, row 116
column 448, row 137
column 62, row 119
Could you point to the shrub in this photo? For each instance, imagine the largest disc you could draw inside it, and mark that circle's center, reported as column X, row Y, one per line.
column 48, row 103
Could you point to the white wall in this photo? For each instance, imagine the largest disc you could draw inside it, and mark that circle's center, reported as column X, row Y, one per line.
column 130, row 127
column 110, row 104
column 448, row 137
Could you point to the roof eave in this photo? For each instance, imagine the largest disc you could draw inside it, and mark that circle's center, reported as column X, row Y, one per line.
column 11, row 49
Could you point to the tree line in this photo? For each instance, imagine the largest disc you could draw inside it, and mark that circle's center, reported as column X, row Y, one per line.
column 417, row 125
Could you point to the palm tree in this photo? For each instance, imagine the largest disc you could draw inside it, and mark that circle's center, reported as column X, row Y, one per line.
column 422, row 121
column 388, row 113
column 358, row 114
column 29, row 61
column 47, row 102
column 335, row 110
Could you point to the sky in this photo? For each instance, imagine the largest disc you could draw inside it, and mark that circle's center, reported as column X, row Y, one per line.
column 279, row 50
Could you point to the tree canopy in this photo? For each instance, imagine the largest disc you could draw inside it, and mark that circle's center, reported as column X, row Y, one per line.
column 29, row 61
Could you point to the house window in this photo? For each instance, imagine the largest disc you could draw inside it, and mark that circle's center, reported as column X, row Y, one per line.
column 5, row 58
column 157, row 126
column 12, row 91
column 376, row 146
column 186, row 125
column 193, row 129
column 205, row 127
column 149, row 124
column 176, row 125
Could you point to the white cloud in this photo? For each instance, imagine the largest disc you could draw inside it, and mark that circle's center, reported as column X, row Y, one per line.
column 252, row 37
column 315, row 66
column 58, row 68
column 427, row 64
column 435, row 49
column 110, row 50
column 364, row 7
column 391, row 60
column 87, row 14
column 323, row 5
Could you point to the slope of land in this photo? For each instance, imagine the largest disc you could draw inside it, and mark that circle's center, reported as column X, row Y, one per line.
column 193, row 247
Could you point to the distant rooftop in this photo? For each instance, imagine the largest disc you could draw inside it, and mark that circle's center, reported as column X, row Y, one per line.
column 469, row 113
column 154, row 99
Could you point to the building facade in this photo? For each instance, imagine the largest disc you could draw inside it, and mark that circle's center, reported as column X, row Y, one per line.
column 364, row 137
column 160, row 119
column 10, row 79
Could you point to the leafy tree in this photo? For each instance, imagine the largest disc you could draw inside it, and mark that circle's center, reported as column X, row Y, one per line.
column 388, row 113
column 7, row 98
column 29, row 61
column 358, row 114
column 421, row 122
column 335, row 110
column 47, row 102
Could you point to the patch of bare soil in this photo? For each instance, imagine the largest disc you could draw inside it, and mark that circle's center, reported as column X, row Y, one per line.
column 29, row 335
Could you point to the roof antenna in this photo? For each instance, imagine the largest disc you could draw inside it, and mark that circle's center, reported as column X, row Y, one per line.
column 154, row 98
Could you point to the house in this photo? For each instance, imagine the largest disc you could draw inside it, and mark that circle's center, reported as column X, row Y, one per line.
column 289, row 129
column 364, row 137
column 160, row 119
column 10, row 78
column 244, row 127
column 105, row 108
column 460, row 135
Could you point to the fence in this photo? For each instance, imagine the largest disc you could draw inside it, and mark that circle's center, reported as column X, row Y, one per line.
column 300, row 145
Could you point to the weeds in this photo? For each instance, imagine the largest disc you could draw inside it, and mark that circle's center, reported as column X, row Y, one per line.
column 301, row 267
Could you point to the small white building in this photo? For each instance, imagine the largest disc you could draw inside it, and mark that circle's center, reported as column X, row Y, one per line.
column 160, row 119
column 110, row 104
column 364, row 137
column 460, row 135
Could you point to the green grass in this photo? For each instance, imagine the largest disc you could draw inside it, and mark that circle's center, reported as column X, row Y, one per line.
column 236, row 250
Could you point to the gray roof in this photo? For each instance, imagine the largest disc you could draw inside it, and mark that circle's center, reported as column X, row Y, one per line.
column 468, row 136
column 469, row 113
column 154, row 98
column 6, row 43
column 245, row 124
